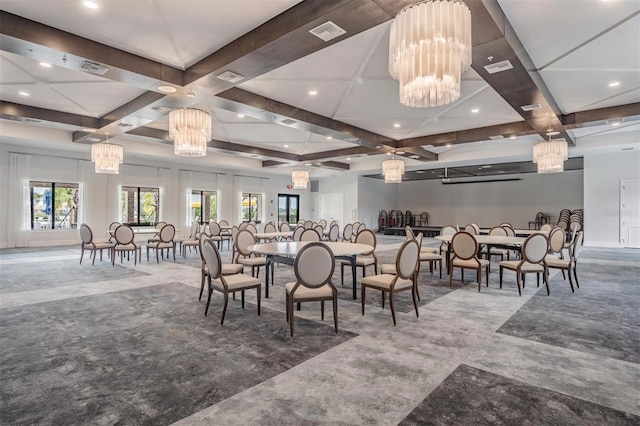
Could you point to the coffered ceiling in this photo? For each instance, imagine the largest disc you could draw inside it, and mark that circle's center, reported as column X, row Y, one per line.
column 331, row 105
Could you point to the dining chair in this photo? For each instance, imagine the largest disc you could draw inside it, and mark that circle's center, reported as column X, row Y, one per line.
column 313, row 268
column 319, row 229
column 323, row 223
column 363, row 260
column 403, row 280
column 227, row 269
column 333, row 222
column 297, row 233
column 465, row 256
column 156, row 236
column 446, row 230
column 569, row 264
column 112, row 230
column 347, row 232
column 165, row 241
column 269, row 227
column 334, row 232
column 215, row 234
column 308, row 224
column 471, row 229
column 243, row 226
column 251, row 228
column 546, row 227
column 244, row 256
column 234, row 233
column 124, row 243
column 534, row 251
column 225, row 284
column 191, row 240
column 285, row 227
column 476, row 227
column 390, row 268
column 86, row 235
column 310, row 235
column 500, row 232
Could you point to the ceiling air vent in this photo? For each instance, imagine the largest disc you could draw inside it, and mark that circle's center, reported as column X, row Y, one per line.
column 288, row 121
column 230, row 76
column 93, row 68
column 496, row 137
column 498, row 67
column 159, row 108
column 125, row 125
column 351, row 140
column 327, row 31
column 530, row 107
column 94, row 140
column 31, row 120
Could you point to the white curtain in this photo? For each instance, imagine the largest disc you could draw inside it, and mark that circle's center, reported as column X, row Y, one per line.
column 164, row 180
column 88, row 197
column 19, row 208
column 185, row 196
column 113, row 197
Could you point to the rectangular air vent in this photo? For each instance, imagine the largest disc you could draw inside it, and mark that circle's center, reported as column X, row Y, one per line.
column 93, row 68
column 159, row 108
column 230, row 76
column 351, row 140
column 288, row 122
column 495, row 137
column 124, row 125
column 327, row 31
column 31, row 120
column 530, row 107
column 498, row 67
column 94, row 140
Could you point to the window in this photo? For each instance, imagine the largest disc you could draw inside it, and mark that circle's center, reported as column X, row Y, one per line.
column 288, row 206
column 204, row 206
column 54, row 205
column 139, row 206
column 251, row 207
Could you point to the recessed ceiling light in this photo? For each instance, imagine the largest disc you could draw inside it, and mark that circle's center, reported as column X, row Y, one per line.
column 286, row 146
column 45, row 64
column 433, row 172
column 448, row 145
column 378, row 146
column 90, row 5
column 349, row 159
column 388, row 153
column 614, row 84
column 617, row 123
column 512, row 137
column 313, row 92
column 475, row 110
column 88, row 130
column 240, row 115
column 167, row 89
column 400, row 152
column 420, row 171
column 396, row 125
column 486, row 166
column 308, row 164
column 500, row 171
column 329, row 138
column 21, row 93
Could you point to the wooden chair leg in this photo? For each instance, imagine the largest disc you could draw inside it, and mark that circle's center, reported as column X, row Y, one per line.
column 258, row 298
column 287, row 304
column 450, row 276
column 206, row 309
column 362, row 288
column 570, row 279
column 335, row 312
column 291, row 314
column 415, row 302
column 81, row 253
column 201, row 285
column 487, row 273
column 393, row 311
column 501, row 269
column 224, row 309
column 242, row 297
column 518, row 281
column 479, row 277
column 322, row 310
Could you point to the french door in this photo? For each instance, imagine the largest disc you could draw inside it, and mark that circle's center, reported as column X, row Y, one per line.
column 288, row 208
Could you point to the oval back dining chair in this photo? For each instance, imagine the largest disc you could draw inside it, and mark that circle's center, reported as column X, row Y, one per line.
column 363, row 260
column 334, row 232
column 243, row 226
column 323, row 223
column 313, row 268
column 112, row 229
column 546, row 227
column 320, row 230
column 297, row 233
column 309, row 235
column 347, row 232
column 252, row 228
column 124, row 243
column 446, row 230
column 285, row 227
column 569, row 264
column 270, row 227
column 86, row 234
column 465, row 256
column 471, row 229
column 498, row 231
column 165, row 241
column 308, row 224
column 244, row 256
column 534, row 251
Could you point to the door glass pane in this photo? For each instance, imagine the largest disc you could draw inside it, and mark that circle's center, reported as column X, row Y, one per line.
column 196, row 206
column 129, row 205
column 149, row 201
column 66, row 208
column 282, row 208
column 210, row 202
column 41, row 199
column 293, row 209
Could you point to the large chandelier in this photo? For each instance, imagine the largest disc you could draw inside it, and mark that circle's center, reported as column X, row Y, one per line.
column 107, row 156
column 550, row 155
column 190, row 130
column 429, row 48
column 300, row 179
column 392, row 170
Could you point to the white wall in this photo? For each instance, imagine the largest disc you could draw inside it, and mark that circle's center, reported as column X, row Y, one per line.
column 375, row 195
column 346, row 184
column 602, row 175
column 491, row 203
column 64, row 166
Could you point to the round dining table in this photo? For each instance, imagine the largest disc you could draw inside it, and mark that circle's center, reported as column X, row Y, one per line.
column 286, row 251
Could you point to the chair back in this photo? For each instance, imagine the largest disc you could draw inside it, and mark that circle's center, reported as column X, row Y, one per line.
column 356, row 228
column 243, row 226
column 464, row 245
column 160, row 225
column 309, row 235
column 223, row 223
column 308, row 224
column 535, row 248
column 252, row 222
column 113, row 226
column 361, row 228
column 167, row 233
column 314, row 265
column 193, row 230
column 506, row 224
column 545, row 227
column 509, row 230
column 498, row 230
column 556, row 240
column 298, row 232
column 470, row 229
column 285, row 227
column 252, row 228
column 214, row 229
column 319, row 229
column 334, row 232
column 211, row 258
column 576, row 248
column 409, row 233
column 270, row 227
column 333, row 222
column 476, row 227
column 347, row 232
column 85, row 234
column 243, row 240
column 448, row 230
column 367, row 236
column 407, row 259
column 201, row 240
column 234, row 232
column 124, row 234
column 323, row 223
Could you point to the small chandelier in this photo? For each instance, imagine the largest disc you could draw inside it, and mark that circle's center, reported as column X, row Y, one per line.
column 107, row 156
column 550, row 155
column 429, row 49
column 300, row 179
column 392, row 170
column 190, row 129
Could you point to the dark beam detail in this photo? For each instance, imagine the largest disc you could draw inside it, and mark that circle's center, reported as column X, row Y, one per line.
column 273, row 163
column 338, row 153
column 333, row 165
column 20, row 113
column 601, row 116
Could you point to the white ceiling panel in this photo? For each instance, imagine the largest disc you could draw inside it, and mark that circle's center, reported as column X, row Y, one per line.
column 98, row 99
column 623, row 127
column 445, row 125
column 549, row 29
column 265, row 133
column 41, row 96
column 490, row 105
column 174, row 33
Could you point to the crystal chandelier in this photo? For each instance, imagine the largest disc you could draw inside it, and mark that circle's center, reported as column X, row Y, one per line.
column 392, row 170
column 429, row 48
column 300, row 179
column 107, row 156
column 550, row 155
column 190, row 130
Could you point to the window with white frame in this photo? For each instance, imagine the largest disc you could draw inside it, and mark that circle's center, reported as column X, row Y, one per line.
column 204, row 206
column 54, row 205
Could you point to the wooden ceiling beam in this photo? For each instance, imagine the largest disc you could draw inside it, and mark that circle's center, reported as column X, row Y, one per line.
column 22, row 113
column 601, row 116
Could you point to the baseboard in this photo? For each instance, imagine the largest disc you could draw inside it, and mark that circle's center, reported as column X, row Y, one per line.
column 605, row 244
column 4, row 245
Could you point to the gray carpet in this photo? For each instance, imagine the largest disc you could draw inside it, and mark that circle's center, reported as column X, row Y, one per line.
column 144, row 356
column 470, row 396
